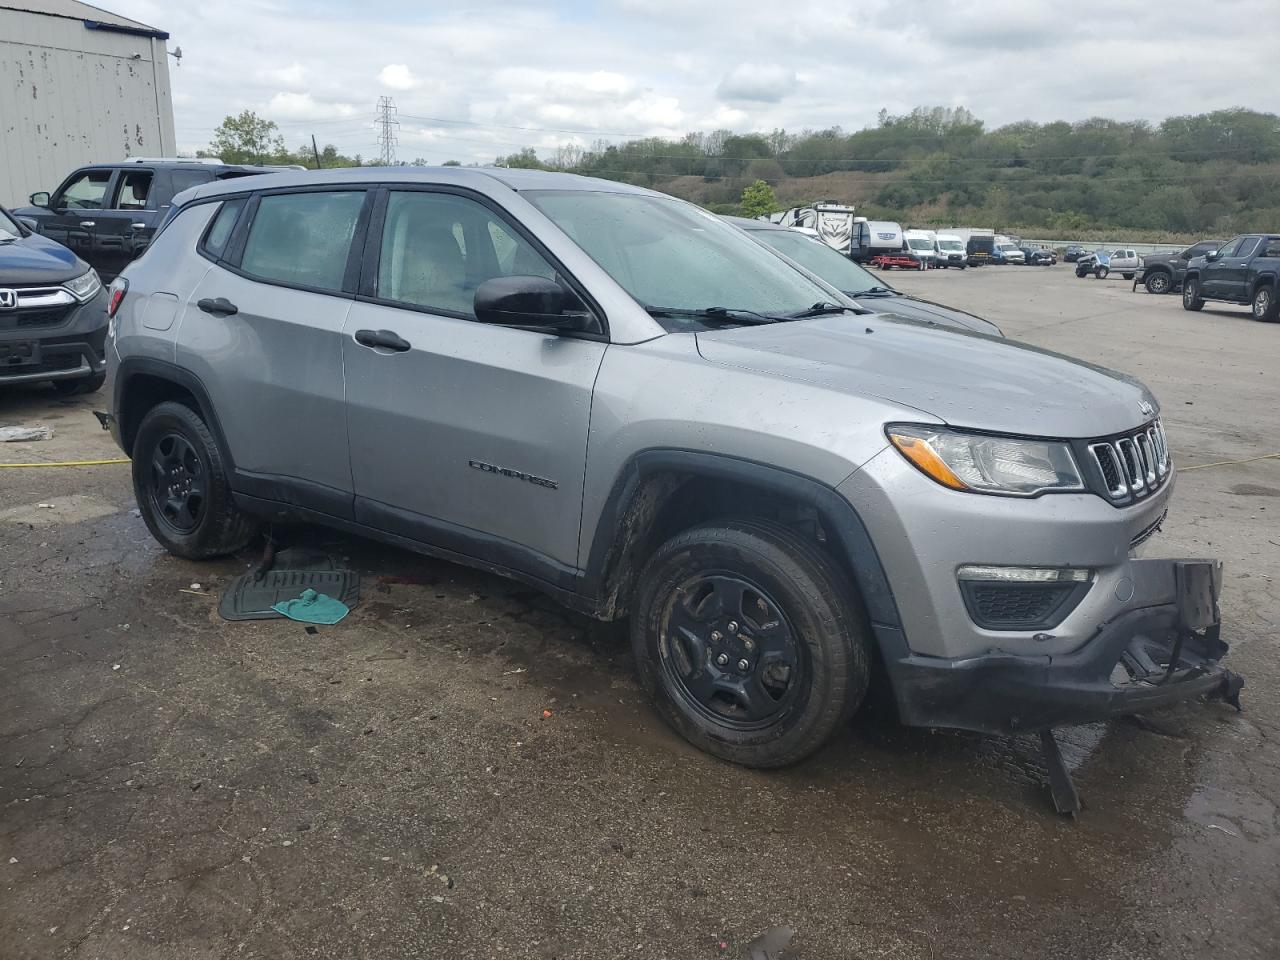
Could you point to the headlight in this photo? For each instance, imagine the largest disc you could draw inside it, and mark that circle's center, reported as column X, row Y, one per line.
column 84, row 286
column 980, row 463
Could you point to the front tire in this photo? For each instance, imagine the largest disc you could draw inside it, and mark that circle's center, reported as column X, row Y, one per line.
column 1102, row 272
column 1265, row 306
column 750, row 641
column 1191, row 299
column 180, row 482
column 1158, row 282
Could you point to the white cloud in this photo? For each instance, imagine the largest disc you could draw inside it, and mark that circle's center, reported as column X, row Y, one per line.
column 397, row 76
column 766, row 83
column 291, row 77
column 302, row 106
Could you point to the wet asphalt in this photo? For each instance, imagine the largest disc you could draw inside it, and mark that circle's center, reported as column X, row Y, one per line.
column 464, row 769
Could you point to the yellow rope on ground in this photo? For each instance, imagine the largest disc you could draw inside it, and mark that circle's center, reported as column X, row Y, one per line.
column 67, row 463
column 1230, row 463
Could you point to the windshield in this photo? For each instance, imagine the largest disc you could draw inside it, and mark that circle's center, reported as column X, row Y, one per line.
column 950, row 245
column 8, row 229
column 670, row 254
column 1008, row 248
column 820, row 260
column 919, row 243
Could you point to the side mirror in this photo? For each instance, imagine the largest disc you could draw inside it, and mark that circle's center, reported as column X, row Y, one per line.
column 528, row 302
column 40, row 199
column 29, row 224
column 1212, row 255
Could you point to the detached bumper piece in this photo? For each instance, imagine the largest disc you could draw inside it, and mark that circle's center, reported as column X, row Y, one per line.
column 1164, row 649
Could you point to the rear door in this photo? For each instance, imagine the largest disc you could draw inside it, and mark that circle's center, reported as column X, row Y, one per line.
column 472, row 436
column 126, row 222
column 263, row 332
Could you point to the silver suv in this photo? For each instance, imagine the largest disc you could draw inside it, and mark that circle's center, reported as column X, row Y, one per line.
column 620, row 399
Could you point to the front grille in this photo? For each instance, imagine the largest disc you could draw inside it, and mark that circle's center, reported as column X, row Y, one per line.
column 1132, row 465
column 48, row 317
column 38, row 307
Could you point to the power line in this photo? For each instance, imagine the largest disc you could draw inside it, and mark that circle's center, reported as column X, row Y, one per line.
column 388, row 124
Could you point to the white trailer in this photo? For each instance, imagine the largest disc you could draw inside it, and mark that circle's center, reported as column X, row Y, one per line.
column 874, row 237
column 832, row 222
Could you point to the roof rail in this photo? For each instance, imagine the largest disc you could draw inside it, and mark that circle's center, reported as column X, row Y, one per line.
column 214, row 160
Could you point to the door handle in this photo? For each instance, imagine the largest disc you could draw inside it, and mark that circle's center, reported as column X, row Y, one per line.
column 218, row 307
column 87, row 223
column 386, row 339
column 138, row 226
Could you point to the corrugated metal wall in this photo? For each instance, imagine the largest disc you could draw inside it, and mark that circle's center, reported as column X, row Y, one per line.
column 71, row 96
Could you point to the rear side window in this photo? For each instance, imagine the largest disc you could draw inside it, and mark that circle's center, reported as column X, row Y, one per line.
column 134, row 188
column 303, row 238
column 219, row 232
column 182, row 179
column 1272, row 248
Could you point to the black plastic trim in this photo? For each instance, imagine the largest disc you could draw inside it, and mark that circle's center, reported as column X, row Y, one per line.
column 295, row 491
column 132, row 367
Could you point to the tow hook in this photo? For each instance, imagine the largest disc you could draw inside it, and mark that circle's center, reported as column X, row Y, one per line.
column 104, row 419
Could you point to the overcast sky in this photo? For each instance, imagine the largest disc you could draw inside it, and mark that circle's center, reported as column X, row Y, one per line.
column 467, row 76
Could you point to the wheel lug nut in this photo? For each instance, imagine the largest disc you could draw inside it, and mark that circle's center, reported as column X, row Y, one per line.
column 733, row 626
column 722, row 659
column 742, row 665
column 716, row 636
column 748, row 643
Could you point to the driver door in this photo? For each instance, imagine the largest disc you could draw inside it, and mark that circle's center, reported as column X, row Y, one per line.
column 73, row 216
column 1213, row 273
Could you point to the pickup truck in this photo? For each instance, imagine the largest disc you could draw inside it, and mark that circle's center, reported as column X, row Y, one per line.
column 107, row 213
column 1163, row 272
column 1122, row 260
column 1243, row 270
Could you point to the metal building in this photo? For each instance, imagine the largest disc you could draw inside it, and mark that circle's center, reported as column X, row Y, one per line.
column 77, row 85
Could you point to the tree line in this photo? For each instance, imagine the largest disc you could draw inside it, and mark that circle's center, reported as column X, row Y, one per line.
column 1207, row 174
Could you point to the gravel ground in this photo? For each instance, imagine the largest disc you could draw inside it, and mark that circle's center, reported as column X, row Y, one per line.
column 463, row 769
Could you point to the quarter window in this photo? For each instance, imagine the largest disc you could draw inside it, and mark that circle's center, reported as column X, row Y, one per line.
column 437, row 248
column 303, row 238
column 86, row 191
column 215, row 241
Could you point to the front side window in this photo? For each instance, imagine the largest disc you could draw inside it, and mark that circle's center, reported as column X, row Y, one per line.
column 132, row 193
column 670, row 254
column 1229, row 248
column 437, row 248
column 303, row 238
column 86, row 191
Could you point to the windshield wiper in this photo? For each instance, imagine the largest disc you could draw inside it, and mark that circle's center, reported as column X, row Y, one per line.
column 824, row 309
column 725, row 314
column 873, row 292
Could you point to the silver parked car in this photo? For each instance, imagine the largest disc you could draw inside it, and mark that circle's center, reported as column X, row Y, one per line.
column 621, row 399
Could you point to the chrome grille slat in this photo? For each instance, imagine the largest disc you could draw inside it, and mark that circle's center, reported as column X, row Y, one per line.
column 1134, row 465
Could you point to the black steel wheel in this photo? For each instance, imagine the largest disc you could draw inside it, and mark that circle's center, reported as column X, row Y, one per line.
column 750, row 640
column 1158, row 282
column 180, row 483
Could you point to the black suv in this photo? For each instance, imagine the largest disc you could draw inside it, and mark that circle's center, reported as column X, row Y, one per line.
column 1163, row 272
column 1244, row 270
column 108, row 212
column 53, row 312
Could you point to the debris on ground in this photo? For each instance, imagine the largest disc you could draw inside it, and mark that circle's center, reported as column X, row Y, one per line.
column 283, row 575
column 312, row 607
column 24, row 434
column 770, row 945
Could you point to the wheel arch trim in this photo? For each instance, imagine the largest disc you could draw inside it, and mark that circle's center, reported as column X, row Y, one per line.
column 133, row 367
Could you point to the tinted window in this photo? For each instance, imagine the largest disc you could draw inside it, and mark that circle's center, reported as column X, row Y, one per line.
column 215, row 240
column 1229, row 248
column 1247, row 246
column 86, row 191
column 437, row 248
column 303, row 238
column 1272, row 249
column 131, row 194
column 182, row 179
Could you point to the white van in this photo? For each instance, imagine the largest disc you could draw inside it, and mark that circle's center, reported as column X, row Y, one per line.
column 951, row 251
column 921, row 245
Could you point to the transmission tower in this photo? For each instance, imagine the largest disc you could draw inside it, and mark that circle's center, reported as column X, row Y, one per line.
column 387, row 126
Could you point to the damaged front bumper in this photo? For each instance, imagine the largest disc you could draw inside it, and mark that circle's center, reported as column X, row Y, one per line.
column 1165, row 647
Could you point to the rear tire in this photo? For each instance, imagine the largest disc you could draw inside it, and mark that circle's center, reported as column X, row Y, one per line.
column 753, row 593
column 1158, row 282
column 1191, row 299
column 1265, row 306
column 74, row 388
column 180, row 482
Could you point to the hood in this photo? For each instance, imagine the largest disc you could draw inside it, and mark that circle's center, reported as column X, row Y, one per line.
column 964, row 379
column 926, row 311
column 36, row 259
column 1160, row 257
